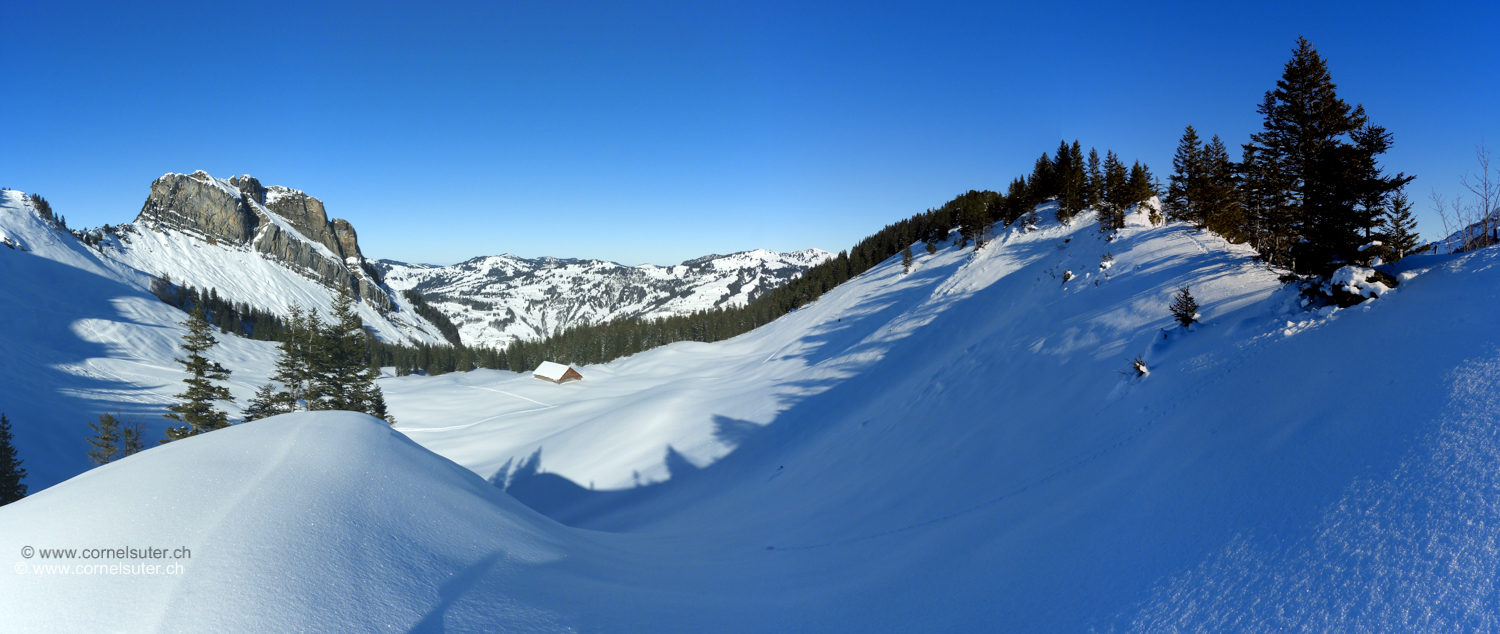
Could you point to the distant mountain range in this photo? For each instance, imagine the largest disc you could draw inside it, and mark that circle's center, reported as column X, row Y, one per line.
column 495, row 300
column 268, row 247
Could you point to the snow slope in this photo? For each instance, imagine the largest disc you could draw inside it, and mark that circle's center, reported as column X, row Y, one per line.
column 961, row 448
column 83, row 336
column 496, row 300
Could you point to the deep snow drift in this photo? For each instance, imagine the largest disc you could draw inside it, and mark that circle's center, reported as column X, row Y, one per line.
column 961, row 448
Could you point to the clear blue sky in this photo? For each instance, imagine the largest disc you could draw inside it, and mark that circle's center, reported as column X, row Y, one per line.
column 656, row 132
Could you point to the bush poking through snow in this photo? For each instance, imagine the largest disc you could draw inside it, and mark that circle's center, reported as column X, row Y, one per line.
column 1140, row 367
column 1067, row 275
column 1352, row 285
column 1184, row 307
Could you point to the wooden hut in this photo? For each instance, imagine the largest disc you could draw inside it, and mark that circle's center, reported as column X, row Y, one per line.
column 556, row 373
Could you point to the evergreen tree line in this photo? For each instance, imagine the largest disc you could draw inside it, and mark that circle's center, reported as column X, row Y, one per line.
column 228, row 316
column 428, row 312
column 12, row 475
column 1309, row 193
column 45, row 209
column 323, row 365
column 1077, row 183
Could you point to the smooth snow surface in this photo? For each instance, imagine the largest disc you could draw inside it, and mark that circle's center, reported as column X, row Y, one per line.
column 966, row 447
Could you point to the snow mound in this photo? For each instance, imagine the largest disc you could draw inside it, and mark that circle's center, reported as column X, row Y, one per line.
column 308, row 522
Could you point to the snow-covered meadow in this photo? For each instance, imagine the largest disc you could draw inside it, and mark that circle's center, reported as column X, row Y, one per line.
column 962, row 448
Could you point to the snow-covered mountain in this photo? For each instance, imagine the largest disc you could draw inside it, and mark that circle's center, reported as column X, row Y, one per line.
column 498, row 299
column 264, row 247
column 964, row 447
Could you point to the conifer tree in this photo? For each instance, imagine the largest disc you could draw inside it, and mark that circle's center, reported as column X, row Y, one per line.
column 1043, row 179
column 1093, row 193
column 1115, row 195
column 1317, row 165
column 1219, row 200
column 12, row 487
column 198, row 411
column 931, row 248
column 132, row 437
column 106, row 439
column 1183, row 191
column 266, row 403
column 1184, row 307
column 1140, row 187
column 294, row 364
column 344, row 379
column 906, row 258
column 1073, row 182
column 1399, row 228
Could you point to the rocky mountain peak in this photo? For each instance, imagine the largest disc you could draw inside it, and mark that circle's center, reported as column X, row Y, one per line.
column 284, row 224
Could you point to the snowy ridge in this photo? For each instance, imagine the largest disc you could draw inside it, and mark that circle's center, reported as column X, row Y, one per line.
column 495, row 300
column 86, row 336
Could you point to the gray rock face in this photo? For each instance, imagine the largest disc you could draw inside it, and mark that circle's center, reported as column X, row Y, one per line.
column 197, row 204
column 236, row 212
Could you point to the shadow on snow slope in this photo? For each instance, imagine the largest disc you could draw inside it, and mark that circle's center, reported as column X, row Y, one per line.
column 51, row 390
column 993, row 460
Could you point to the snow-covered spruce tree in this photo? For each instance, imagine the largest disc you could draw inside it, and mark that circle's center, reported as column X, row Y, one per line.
column 11, row 474
column 906, row 258
column 1184, row 307
column 198, row 411
column 106, row 439
column 344, row 379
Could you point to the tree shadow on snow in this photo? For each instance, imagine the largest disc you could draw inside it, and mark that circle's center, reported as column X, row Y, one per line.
column 49, row 406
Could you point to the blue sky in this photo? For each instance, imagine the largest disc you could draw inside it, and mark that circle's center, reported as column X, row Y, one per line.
column 657, row 132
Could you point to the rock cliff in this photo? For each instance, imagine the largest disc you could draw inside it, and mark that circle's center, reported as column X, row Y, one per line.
column 280, row 223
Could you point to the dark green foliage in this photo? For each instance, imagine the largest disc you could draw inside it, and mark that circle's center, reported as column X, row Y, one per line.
column 906, row 258
column 931, row 248
column 299, row 342
column 266, row 403
column 1019, row 200
column 976, row 212
column 428, row 312
column 11, row 474
column 1140, row 187
column 1219, row 198
column 1399, row 229
column 1044, row 184
column 198, row 411
column 1317, row 187
column 116, row 437
column 1094, row 190
column 236, row 318
column 132, row 436
column 44, row 208
column 1073, row 182
column 106, row 439
column 1184, row 307
column 1184, row 199
column 342, row 376
column 1115, row 194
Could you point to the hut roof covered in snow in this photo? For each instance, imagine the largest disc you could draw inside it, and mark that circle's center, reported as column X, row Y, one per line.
column 556, row 372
